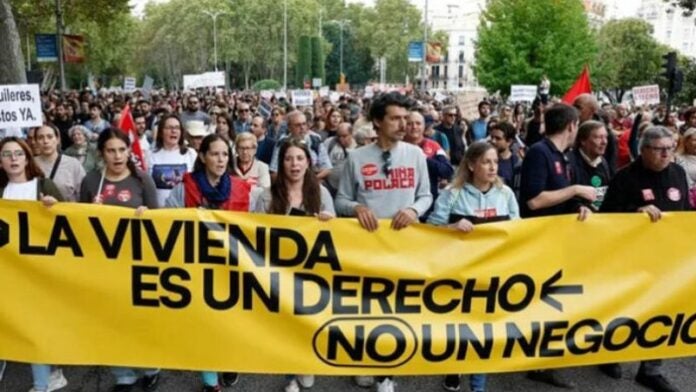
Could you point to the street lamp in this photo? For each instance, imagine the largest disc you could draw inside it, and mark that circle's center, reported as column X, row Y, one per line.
column 285, row 45
column 215, row 15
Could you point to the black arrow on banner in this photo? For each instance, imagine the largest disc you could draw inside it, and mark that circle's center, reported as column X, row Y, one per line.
column 4, row 233
column 548, row 289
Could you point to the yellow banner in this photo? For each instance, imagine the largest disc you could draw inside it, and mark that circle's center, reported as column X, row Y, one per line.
column 207, row 290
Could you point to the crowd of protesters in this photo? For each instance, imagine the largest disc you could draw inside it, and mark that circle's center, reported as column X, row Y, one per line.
column 396, row 157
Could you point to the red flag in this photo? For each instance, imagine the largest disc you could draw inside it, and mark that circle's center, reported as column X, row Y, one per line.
column 127, row 124
column 581, row 86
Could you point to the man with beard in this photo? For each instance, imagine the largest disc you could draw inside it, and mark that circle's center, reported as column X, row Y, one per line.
column 502, row 136
column 192, row 112
column 449, row 128
column 63, row 121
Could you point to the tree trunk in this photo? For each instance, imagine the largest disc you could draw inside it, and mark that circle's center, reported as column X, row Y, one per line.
column 11, row 61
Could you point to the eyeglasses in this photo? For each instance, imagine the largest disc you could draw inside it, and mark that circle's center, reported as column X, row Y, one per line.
column 246, row 148
column 661, row 150
column 386, row 166
column 243, row 110
column 10, row 154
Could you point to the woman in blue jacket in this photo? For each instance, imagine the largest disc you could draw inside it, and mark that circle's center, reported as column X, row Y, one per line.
column 476, row 195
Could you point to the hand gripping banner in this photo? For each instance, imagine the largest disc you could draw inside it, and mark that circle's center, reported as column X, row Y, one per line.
column 95, row 285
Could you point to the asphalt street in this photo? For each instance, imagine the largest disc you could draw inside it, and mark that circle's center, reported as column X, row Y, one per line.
column 588, row 379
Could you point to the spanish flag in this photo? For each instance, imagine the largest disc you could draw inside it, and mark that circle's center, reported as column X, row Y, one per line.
column 73, row 48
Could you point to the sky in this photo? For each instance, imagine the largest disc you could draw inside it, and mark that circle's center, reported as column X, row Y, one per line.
column 625, row 8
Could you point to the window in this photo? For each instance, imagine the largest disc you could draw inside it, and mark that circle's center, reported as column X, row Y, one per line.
column 445, row 74
column 462, row 40
column 461, row 56
column 461, row 71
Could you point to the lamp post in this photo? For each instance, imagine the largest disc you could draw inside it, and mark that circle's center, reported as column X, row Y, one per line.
column 214, row 15
column 424, row 80
column 285, row 45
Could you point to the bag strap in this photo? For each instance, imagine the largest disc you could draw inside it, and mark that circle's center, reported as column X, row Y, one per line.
column 55, row 167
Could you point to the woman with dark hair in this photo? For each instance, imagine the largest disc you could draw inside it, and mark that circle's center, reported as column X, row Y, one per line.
column 210, row 186
column 476, row 195
column 225, row 129
column 120, row 183
column 334, row 117
column 296, row 191
column 171, row 159
column 22, row 179
column 65, row 171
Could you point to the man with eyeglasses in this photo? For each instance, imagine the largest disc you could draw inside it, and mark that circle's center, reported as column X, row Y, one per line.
column 449, row 128
column 653, row 183
column 193, row 113
column 299, row 129
column 385, row 180
column 243, row 122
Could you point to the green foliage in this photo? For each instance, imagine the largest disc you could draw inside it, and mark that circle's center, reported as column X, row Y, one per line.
column 387, row 29
column 266, row 84
column 686, row 97
column 107, row 26
column 358, row 64
column 628, row 56
column 521, row 40
column 304, row 60
column 318, row 58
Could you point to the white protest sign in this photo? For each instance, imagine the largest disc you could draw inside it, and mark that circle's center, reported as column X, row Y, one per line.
column 324, row 91
column 91, row 83
column 147, row 84
column 265, row 109
column 316, row 82
column 266, row 94
column 646, row 95
column 20, row 106
column 523, row 93
column 334, row 96
column 302, row 97
column 281, row 95
column 208, row 79
column 369, row 92
column 129, row 84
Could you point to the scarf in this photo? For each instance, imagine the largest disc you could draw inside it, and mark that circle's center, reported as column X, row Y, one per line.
column 213, row 194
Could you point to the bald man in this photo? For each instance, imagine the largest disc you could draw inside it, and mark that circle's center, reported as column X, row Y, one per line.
column 589, row 109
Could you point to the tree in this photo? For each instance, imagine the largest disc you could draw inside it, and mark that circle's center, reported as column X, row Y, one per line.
column 688, row 6
column 627, row 56
column 304, row 61
column 688, row 93
column 318, row 58
column 358, row 64
column 105, row 24
column 11, row 62
column 521, row 40
column 387, row 29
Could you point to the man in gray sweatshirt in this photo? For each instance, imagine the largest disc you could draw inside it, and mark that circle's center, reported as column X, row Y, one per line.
column 387, row 179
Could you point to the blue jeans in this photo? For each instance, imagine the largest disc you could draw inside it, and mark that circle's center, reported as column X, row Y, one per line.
column 477, row 382
column 129, row 376
column 40, row 374
column 210, row 379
